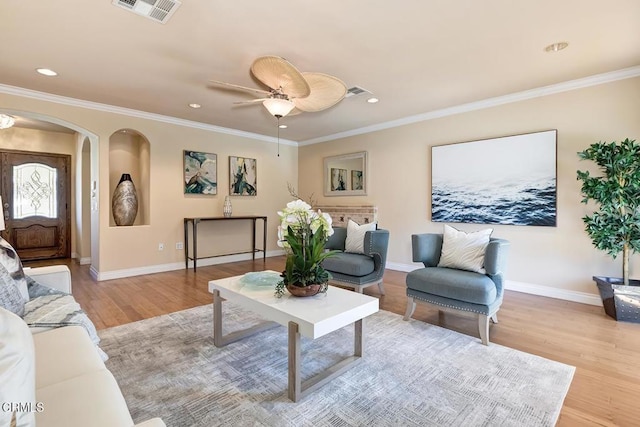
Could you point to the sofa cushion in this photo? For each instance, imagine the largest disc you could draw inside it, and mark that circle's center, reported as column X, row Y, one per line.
column 464, row 251
column 355, row 236
column 93, row 399
column 460, row 285
column 349, row 264
column 64, row 353
column 10, row 296
column 9, row 258
column 17, row 368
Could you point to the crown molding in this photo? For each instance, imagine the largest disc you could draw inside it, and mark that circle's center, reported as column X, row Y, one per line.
column 64, row 100
column 595, row 80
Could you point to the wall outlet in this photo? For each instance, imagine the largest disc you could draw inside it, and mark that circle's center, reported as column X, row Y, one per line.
column 179, row 246
column 161, row 246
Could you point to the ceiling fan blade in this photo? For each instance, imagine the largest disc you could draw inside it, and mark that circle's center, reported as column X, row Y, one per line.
column 231, row 85
column 278, row 73
column 326, row 91
column 251, row 101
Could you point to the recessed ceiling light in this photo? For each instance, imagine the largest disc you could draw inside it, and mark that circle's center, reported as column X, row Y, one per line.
column 372, row 100
column 282, row 126
column 556, row 47
column 46, row 72
column 194, row 105
column 6, row 121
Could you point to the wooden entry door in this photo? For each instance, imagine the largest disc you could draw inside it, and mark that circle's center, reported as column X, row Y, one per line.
column 35, row 203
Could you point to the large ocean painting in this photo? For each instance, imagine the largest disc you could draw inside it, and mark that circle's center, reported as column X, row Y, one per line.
column 509, row 180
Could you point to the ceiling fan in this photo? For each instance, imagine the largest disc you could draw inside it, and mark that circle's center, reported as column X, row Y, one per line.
column 291, row 91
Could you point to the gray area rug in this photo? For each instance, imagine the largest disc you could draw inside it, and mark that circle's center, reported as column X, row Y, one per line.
column 413, row 374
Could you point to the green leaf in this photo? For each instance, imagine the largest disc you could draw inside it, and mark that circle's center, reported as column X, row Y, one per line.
column 616, row 194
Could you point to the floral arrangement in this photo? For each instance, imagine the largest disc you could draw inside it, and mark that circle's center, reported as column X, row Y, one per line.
column 302, row 233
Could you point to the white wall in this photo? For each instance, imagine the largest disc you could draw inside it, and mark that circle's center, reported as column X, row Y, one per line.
column 561, row 258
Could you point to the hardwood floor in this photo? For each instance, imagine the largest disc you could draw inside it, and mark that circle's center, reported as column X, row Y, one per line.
column 605, row 389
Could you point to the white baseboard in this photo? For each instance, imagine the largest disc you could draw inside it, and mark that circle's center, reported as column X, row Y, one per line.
column 547, row 291
column 81, row 261
column 402, row 267
column 527, row 288
column 94, row 273
column 161, row 268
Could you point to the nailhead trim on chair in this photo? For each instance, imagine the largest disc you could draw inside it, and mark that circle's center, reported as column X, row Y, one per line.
column 451, row 306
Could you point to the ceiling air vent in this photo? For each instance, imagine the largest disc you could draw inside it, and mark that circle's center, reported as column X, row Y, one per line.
column 356, row 90
column 158, row 10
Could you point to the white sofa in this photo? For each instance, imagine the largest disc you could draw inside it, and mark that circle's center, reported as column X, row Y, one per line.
column 73, row 387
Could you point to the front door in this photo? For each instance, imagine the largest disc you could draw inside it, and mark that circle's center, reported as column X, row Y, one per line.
column 35, row 203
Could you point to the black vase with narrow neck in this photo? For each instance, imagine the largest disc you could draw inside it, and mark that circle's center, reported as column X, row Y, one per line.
column 125, row 177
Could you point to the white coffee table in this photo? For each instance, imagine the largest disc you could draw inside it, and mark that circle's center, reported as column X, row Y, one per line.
column 312, row 317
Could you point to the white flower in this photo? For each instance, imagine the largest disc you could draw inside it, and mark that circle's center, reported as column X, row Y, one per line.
column 282, row 242
column 298, row 206
column 328, row 223
column 299, row 217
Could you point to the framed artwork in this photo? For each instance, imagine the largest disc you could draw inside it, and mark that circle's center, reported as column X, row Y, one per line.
column 243, row 176
column 338, row 179
column 356, row 180
column 338, row 169
column 200, row 172
column 507, row 180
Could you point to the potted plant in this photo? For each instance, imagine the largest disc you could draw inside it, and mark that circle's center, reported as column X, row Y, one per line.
column 615, row 226
column 303, row 233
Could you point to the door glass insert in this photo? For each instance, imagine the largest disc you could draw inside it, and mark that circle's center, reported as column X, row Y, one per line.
column 34, row 191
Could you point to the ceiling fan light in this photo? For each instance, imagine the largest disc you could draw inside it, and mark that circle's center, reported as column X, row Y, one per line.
column 6, row 121
column 278, row 107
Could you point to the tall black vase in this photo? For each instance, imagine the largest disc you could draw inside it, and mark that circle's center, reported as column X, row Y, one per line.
column 124, row 202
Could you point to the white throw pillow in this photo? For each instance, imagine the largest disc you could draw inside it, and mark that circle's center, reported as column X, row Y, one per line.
column 464, row 251
column 355, row 236
column 17, row 370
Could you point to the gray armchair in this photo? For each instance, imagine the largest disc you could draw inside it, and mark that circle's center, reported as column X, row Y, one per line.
column 358, row 271
column 457, row 290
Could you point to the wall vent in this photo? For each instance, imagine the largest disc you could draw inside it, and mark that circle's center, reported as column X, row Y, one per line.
column 355, row 90
column 157, row 10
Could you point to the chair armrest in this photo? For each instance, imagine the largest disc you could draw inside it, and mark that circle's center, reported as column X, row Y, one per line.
column 495, row 257
column 153, row 422
column 426, row 248
column 54, row 276
column 376, row 242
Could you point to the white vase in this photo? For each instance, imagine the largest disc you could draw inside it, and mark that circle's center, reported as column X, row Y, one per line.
column 226, row 209
column 124, row 203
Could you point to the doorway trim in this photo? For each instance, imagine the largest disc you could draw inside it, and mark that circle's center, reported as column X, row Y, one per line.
column 94, row 184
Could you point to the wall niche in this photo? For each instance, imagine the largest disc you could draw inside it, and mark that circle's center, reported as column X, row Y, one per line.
column 129, row 153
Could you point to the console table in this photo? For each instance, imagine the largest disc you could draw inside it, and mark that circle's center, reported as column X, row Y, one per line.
column 194, row 224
